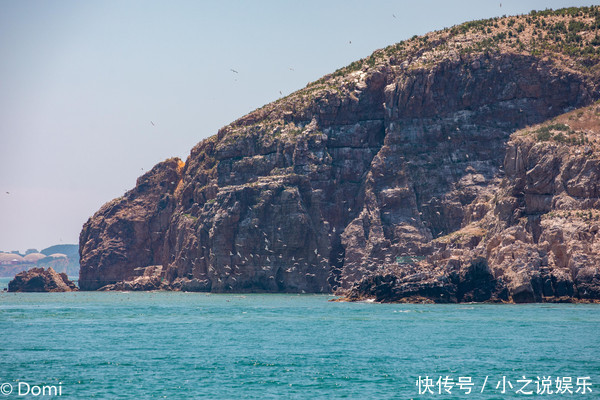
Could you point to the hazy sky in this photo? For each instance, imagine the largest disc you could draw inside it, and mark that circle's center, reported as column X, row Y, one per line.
column 81, row 81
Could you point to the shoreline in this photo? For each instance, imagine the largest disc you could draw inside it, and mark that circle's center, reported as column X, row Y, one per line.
column 424, row 300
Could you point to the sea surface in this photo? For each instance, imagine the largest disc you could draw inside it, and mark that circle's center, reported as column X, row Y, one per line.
column 155, row 345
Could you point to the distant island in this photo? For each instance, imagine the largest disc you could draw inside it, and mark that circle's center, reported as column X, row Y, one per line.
column 458, row 166
column 63, row 258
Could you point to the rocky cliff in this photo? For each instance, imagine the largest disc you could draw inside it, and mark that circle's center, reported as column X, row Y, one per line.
column 531, row 236
column 363, row 174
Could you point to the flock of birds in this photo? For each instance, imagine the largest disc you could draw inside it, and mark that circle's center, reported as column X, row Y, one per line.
column 361, row 267
column 292, row 69
column 268, row 260
column 271, row 260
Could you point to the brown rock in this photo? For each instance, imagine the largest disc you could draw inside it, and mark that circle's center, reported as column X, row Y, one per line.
column 149, row 278
column 531, row 247
column 41, row 280
column 129, row 232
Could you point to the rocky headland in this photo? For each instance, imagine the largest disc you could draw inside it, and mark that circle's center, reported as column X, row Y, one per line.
column 418, row 173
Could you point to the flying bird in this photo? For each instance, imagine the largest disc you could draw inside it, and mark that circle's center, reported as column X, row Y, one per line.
column 152, row 123
column 233, row 70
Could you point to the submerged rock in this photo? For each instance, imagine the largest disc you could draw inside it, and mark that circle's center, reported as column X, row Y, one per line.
column 41, row 280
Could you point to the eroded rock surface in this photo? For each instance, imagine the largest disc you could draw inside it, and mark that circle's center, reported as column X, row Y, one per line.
column 129, row 232
column 532, row 236
column 366, row 172
column 41, row 280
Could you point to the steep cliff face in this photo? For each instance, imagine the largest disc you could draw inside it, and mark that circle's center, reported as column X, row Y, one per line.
column 127, row 234
column 533, row 236
column 356, row 174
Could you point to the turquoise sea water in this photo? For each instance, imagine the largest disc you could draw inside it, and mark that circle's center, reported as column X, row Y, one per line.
column 194, row 345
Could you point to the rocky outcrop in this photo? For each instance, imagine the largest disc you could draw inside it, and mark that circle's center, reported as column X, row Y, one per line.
column 41, row 280
column 474, row 282
column 149, row 278
column 363, row 174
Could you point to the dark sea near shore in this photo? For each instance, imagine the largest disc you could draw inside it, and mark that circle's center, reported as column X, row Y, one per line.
column 172, row 345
